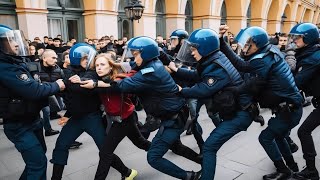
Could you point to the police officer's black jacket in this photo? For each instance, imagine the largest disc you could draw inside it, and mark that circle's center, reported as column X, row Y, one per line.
column 21, row 96
column 267, row 64
column 307, row 73
column 80, row 101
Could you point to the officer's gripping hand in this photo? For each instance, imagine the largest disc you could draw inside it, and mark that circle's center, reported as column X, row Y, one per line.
column 61, row 84
column 222, row 30
column 168, row 69
column 75, row 79
column 172, row 66
column 63, row 121
column 90, row 84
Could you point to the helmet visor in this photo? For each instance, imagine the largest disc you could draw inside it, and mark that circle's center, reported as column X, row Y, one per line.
column 243, row 38
column 89, row 55
column 126, row 54
column 184, row 54
column 14, row 43
column 292, row 38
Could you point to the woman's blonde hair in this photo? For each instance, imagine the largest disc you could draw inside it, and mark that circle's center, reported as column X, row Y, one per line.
column 114, row 68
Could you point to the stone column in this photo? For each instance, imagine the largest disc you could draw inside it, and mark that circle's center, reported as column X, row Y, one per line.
column 273, row 26
column 212, row 22
column 146, row 26
column 259, row 22
column 287, row 25
column 99, row 23
column 174, row 22
column 33, row 22
column 236, row 23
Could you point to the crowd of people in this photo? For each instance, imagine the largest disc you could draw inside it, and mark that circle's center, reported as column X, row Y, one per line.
column 101, row 83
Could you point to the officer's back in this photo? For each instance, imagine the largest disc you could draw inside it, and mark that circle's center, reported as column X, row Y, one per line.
column 154, row 84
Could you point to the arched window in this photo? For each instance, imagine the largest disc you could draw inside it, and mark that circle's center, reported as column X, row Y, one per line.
column 188, row 13
column 8, row 15
column 124, row 23
column 65, row 18
column 223, row 13
column 160, row 12
column 249, row 16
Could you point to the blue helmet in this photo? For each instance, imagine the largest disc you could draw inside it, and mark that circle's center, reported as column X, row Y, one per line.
column 79, row 51
column 4, row 29
column 309, row 32
column 258, row 36
column 179, row 34
column 13, row 42
column 206, row 41
column 146, row 46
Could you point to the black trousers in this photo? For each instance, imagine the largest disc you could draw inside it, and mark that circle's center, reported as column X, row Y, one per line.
column 117, row 132
column 304, row 133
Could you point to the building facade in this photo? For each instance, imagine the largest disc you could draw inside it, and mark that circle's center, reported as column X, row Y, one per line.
column 97, row 18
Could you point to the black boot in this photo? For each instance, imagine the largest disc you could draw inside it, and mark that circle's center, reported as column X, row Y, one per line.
column 291, row 163
column 57, row 172
column 189, row 130
column 75, row 145
column 193, row 175
column 259, row 119
column 293, row 147
column 309, row 172
column 282, row 173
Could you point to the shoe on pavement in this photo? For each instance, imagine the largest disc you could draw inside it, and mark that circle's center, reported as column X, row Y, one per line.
column 306, row 174
column 132, row 175
column 51, row 132
column 75, row 145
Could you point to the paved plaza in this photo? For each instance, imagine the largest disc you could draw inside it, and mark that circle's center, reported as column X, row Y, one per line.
column 241, row 158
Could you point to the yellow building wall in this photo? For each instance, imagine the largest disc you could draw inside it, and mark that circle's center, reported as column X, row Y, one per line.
column 206, row 14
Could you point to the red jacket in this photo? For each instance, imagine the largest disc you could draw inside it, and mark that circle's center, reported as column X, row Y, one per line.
column 112, row 103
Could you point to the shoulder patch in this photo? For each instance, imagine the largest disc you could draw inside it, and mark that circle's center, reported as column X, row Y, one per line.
column 147, row 70
column 23, row 77
column 211, row 81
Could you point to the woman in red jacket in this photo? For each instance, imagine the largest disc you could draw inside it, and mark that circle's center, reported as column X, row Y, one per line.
column 120, row 110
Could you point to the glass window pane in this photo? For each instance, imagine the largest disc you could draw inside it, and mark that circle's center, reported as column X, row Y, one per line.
column 6, row 1
column 125, row 28
column 9, row 20
column 188, row 11
column 160, row 7
column 223, row 13
column 53, row 3
column 73, row 4
column 72, row 29
column 55, row 27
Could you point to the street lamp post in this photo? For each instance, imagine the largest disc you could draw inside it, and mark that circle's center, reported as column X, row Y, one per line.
column 134, row 11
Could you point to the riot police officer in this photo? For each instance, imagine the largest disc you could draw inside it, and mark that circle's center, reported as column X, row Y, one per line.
column 273, row 86
column 22, row 98
column 213, row 74
column 176, row 39
column 307, row 75
column 159, row 99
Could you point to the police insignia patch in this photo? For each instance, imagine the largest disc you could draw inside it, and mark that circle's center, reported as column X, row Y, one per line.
column 23, row 77
column 211, row 81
